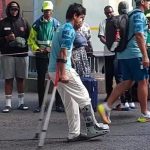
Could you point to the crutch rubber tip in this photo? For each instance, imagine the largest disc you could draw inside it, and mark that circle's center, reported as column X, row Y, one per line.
column 39, row 148
column 36, row 136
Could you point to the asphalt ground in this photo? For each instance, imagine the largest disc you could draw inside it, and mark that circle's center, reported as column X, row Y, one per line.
column 18, row 128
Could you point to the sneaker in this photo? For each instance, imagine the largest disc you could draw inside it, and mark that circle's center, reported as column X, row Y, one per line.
column 23, row 107
column 80, row 137
column 60, row 109
column 104, row 112
column 132, row 105
column 102, row 125
column 126, row 105
column 37, row 110
column 97, row 130
column 7, row 109
column 121, row 107
column 145, row 117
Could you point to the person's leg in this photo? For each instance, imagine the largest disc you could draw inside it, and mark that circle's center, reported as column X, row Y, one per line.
column 119, row 78
column 140, row 75
column 58, row 103
column 72, row 114
column 128, row 98
column 85, row 63
column 20, row 87
column 8, row 92
column 105, row 109
column 8, row 73
column 74, row 96
column 117, row 91
column 41, row 66
column 142, row 93
column 21, row 73
column 109, row 73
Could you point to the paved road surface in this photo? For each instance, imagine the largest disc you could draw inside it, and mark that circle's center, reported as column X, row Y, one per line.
column 18, row 128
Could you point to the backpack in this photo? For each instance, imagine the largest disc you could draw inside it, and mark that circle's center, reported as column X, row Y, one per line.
column 121, row 26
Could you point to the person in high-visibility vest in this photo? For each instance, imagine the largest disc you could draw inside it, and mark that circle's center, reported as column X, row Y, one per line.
column 40, row 41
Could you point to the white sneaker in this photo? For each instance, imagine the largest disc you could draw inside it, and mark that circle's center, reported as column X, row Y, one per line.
column 104, row 112
column 145, row 117
column 126, row 105
column 132, row 105
column 102, row 125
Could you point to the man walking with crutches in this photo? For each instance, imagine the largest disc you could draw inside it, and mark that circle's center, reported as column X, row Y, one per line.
column 73, row 93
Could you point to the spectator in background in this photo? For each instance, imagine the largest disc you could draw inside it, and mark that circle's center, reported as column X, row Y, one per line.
column 79, row 54
column 104, row 35
column 14, row 31
column 126, row 98
column 40, row 40
column 134, row 63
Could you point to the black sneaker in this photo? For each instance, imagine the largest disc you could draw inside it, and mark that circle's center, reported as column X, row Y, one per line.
column 37, row 110
column 23, row 107
column 60, row 109
column 7, row 109
column 81, row 137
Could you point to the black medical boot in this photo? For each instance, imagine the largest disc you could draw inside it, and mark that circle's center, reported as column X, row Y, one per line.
column 93, row 129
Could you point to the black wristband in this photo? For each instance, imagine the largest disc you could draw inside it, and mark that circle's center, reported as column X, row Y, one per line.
column 61, row 60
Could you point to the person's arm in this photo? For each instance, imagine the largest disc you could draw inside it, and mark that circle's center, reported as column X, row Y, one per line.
column 102, row 39
column 62, row 60
column 139, row 30
column 68, row 35
column 101, row 32
column 3, row 37
column 32, row 40
column 142, row 45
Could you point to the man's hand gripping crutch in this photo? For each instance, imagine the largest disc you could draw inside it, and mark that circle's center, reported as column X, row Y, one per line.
column 60, row 76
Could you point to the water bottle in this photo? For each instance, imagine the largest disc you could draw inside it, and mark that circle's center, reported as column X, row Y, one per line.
column 116, row 42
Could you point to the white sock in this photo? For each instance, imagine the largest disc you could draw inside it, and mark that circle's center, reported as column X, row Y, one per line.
column 107, row 107
column 8, row 100
column 21, row 98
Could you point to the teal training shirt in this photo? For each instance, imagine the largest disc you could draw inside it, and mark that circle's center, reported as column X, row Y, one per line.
column 63, row 38
column 137, row 24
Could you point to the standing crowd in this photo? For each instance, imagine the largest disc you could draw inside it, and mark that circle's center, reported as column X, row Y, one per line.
column 63, row 51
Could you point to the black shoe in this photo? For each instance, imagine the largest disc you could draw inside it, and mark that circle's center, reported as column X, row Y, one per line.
column 37, row 110
column 81, row 137
column 7, row 109
column 60, row 109
column 23, row 107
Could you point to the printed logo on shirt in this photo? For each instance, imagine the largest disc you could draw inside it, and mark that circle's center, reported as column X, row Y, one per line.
column 7, row 28
column 22, row 29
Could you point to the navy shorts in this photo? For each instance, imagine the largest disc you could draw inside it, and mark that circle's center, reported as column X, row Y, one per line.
column 132, row 69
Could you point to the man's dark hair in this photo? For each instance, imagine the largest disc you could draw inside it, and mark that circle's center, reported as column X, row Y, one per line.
column 107, row 7
column 137, row 2
column 75, row 8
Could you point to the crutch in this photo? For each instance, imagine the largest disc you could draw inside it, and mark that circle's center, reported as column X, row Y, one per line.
column 48, row 114
column 40, row 121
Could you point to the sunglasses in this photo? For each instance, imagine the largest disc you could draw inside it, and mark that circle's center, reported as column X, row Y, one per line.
column 110, row 12
column 13, row 9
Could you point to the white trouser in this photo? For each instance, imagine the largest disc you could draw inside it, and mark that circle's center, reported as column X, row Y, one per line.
column 74, row 95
